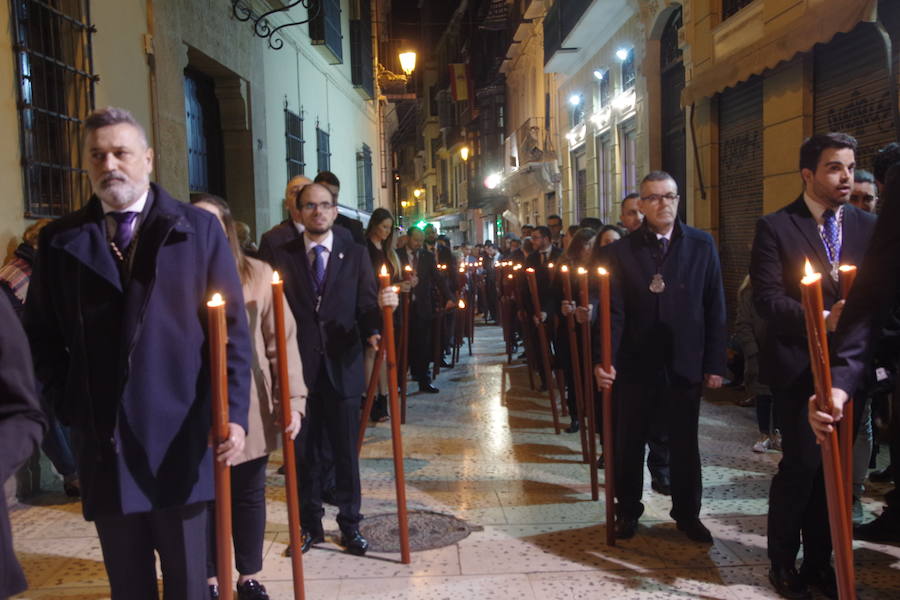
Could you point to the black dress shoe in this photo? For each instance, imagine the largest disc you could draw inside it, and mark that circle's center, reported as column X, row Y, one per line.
column 307, row 540
column 695, row 530
column 884, row 529
column 213, row 592
column 573, row 427
column 788, row 583
column 445, row 364
column 626, row 528
column 661, row 486
column 427, row 388
column 354, row 543
column 885, row 475
column 822, row 578
column 252, row 590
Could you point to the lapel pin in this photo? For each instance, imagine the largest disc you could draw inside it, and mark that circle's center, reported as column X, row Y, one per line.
column 341, row 255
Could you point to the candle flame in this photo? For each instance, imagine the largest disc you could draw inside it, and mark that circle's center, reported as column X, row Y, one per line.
column 276, row 278
column 407, row 268
column 550, row 266
column 582, row 271
column 847, row 268
column 216, row 301
column 811, row 276
column 462, row 269
column 384, row 271
column 529, row 270
column 462, row 304
column 509, row 276
column 564, row 268
column 602, row 272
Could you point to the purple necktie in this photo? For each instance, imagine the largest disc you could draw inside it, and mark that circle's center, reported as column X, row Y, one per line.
column 125, row 222
column 319, row 268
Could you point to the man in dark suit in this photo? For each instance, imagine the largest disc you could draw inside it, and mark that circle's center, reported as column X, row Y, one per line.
column 822, row 227
column 544, row 254
column 116, row 314
column 331, row 289
column 871, row 305
column 354, row 226
column 22, row 425
column 668, row 331
column 425, row 283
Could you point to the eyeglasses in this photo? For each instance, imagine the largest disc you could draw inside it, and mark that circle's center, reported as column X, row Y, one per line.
column 311, row 206
column 655, row 198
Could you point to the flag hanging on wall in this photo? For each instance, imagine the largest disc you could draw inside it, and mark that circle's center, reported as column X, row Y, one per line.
column 459, row 81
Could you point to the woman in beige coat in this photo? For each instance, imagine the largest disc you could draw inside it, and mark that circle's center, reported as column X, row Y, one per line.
column 248, row 475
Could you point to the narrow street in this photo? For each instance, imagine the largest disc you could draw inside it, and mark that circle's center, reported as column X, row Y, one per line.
column 484, row 451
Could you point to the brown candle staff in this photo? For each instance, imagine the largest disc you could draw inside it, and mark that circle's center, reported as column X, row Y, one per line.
column 838, row 513
column 404, row 342
column 544, row 345
column 588, row 385
column 845, row 426
column 370, row 396
column 605, row 325
column 575, row 362
column 218, row 338
column 399, row 477
column 290, row 459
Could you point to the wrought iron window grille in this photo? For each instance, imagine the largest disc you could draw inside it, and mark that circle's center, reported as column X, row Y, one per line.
column 263, row 28
column 295, row 142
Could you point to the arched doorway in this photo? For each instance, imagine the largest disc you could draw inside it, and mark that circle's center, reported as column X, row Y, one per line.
column 671, row 71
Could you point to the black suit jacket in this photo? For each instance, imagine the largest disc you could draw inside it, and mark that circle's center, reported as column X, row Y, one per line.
column 542, row 276
column 681, row 330
column 348, row 312
column 873, row 296
column 277, row 236
column 429, row 279
column 22, row 426
column 783, row 242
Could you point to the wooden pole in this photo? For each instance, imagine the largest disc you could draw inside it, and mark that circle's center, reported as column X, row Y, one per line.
column 370, row 397
column 290, row 459
column 218, row 337
column 588, row 386
column 399, row 476
column 605, row 324
column 575, row 363
column 838, row 514
column 544, row 345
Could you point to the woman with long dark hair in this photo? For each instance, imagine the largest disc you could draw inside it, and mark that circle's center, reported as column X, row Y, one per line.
column 380, row 242
column 248, row 475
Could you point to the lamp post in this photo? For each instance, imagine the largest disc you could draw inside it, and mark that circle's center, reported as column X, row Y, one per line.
column 408, row 62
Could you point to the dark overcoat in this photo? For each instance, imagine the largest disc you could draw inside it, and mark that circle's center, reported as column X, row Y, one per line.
column 124, row 357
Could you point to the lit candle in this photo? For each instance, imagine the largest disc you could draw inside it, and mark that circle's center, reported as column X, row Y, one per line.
column 587, row 372
column 605, row 323
column 290, row 459
column 217, row 339
column 848, row 276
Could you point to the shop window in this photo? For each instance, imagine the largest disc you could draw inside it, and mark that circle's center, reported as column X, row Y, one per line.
column 55, row 83
column 323, row 150
column 364, row 197
column 293, row 137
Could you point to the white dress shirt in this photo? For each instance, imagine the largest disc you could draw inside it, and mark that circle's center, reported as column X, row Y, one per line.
column 328, row 242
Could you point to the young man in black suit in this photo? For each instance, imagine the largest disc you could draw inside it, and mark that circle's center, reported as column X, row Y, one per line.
column 331, row 288
column 824, row 228
column 292, row 227
column 668, row 330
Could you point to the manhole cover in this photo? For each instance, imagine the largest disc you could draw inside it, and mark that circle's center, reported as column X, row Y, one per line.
column 427, row 531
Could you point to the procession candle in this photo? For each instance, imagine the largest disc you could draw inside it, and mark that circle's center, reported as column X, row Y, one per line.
column 838, row 513
column 606, row 359
column 290, row 459
column 407, row 272
column 575, row 361
column 404, row 343
column 397, row 442
column 218, row 338
column 848, row 276
column 588, row 378
column 531, row 276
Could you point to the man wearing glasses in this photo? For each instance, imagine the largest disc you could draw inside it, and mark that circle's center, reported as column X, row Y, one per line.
column 330, row 285
column 668, row 334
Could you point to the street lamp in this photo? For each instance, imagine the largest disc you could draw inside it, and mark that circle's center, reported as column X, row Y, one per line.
column 418, row 193
column 408, row 62
column 464, row 153
column 404, row 204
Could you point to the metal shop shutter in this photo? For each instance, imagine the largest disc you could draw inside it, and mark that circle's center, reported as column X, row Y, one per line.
column 740, row 181
column 852, row 90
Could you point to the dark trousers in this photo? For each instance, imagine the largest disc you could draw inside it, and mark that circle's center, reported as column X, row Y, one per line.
column 335, row 418
column 647, row 409
column 658, row 456
column 178, row 534
column 248, row 518
column 797, row 505
column 420, row 348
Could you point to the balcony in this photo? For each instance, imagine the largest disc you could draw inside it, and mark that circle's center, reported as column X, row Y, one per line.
column 575, row 29
column 534, row 142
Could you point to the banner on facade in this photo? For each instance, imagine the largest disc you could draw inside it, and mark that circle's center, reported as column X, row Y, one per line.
column 459, row 81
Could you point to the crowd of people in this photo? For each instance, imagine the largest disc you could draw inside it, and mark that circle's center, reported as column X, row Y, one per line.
column 110, row 299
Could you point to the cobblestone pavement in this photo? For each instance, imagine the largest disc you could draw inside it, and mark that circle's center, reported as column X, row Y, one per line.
column 484, row 451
